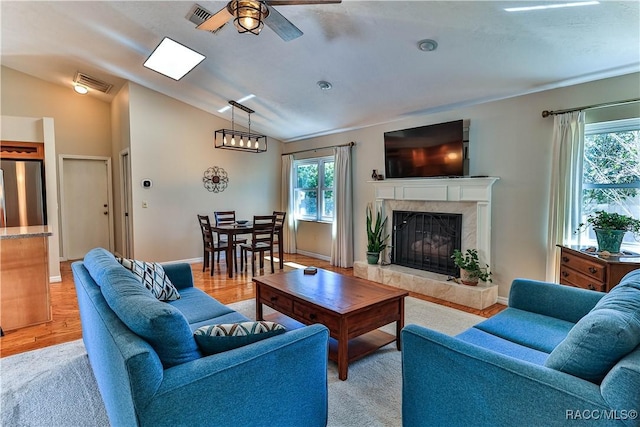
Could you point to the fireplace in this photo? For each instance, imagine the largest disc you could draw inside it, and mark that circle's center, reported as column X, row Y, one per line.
column 426, row 240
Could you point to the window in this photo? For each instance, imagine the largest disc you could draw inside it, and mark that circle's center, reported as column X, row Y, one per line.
column 314, row 189
column 611, row 172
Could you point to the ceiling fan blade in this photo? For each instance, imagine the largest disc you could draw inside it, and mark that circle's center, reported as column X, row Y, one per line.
column 294, row 2
column 281, row 25
column 216, row 21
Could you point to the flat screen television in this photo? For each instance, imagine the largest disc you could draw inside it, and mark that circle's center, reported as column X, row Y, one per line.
column 428, row 151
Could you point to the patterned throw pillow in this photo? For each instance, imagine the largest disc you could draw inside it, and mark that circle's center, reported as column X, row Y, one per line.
column 153, row 277
column 214, row 339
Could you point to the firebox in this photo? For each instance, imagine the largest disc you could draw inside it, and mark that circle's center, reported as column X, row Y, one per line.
column 426, row 240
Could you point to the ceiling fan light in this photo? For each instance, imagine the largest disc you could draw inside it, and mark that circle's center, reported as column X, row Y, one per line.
column 248, row 15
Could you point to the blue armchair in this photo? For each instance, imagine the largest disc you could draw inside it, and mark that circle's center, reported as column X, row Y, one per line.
column 547, row 360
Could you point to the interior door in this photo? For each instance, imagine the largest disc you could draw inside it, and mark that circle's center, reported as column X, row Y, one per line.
column 86, row 214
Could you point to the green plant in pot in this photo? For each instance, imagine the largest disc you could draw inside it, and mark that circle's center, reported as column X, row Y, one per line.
column 376, row 237
column 471, row 271
column 610, row 229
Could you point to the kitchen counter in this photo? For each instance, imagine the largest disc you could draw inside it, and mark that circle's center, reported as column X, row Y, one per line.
column 24, row 277
column 23, row 232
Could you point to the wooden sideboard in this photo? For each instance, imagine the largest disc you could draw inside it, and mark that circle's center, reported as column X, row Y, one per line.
column 589, row 270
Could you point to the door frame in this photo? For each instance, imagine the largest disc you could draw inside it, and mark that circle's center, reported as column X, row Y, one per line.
column 63, row 221
column 126, row 216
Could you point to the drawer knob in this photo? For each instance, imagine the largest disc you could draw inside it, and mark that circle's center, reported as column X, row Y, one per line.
column 593, row 270
column 274, row 299
column 565, row 259
column 565, row 274
column 312, row 316
column 591, row 287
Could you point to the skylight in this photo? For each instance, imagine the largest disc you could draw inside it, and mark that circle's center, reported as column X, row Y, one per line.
column 551, row 6
column 172, row 59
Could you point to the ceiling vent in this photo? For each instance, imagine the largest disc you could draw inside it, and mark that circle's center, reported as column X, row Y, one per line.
column 92, row 82
column 199, row 14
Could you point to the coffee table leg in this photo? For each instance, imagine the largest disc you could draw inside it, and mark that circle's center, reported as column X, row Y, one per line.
column 343, row 352
column 400, row 325
column 259, row 313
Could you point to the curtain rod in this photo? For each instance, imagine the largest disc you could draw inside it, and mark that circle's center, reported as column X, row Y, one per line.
column 547, row 113
column 350, row 144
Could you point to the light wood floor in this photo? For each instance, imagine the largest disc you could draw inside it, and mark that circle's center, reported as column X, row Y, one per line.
column 65, row 325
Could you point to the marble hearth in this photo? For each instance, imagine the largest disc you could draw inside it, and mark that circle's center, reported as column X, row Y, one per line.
column 469, row 196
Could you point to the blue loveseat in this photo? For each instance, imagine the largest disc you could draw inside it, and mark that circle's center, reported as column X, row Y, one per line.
column 164, row 380
column 556, row 356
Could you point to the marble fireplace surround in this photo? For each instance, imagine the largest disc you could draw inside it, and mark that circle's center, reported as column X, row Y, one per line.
column 470, row 197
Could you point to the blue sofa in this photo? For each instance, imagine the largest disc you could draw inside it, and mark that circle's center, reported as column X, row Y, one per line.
column 556, row 356
column 164, row 380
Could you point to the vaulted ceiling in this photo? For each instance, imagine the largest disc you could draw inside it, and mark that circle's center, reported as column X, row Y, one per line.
column 367, row 50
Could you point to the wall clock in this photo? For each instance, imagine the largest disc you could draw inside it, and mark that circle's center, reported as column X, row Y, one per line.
column 215, row 179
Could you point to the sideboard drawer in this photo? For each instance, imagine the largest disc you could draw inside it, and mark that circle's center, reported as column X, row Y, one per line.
column 573, row 278
column 588, row 267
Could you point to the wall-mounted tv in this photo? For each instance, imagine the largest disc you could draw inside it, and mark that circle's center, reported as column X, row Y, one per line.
column 438, row 150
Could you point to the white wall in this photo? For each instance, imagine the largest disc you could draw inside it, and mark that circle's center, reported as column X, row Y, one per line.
column 509, row 139
column 172, row 144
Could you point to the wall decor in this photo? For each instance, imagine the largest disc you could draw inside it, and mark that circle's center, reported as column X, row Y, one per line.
column 215, row 179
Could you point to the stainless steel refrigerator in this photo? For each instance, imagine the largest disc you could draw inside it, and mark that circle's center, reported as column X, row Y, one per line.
column 22, row 193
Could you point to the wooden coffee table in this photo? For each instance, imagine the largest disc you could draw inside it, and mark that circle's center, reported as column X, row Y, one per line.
column 352, row 308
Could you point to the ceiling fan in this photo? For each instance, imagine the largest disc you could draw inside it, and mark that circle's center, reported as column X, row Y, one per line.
column 249, row 16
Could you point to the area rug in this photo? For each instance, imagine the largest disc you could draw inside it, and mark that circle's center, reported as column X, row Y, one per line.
column 55, row 386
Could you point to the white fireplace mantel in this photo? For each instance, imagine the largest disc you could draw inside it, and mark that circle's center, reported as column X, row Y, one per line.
column 474, row 190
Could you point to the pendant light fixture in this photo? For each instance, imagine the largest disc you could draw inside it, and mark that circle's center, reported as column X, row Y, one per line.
column 233, row 139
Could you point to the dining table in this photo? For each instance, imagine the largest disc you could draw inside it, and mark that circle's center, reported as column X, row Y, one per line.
column 232, row 230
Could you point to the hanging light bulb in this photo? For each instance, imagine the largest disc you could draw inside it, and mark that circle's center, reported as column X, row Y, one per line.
column 257, row 144
column 224, row 139
column 241, row 142
column 233, row 140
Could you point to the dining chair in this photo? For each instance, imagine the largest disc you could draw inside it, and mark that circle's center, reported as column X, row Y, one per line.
column 277, row 236
column 209, row 245
column 228, row 218
column 261, row 242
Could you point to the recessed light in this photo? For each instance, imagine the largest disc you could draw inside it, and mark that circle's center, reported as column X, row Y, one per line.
column 80, row 89
column 551, row 6
column 324, row 85
column 173, row 59
column 427, row 45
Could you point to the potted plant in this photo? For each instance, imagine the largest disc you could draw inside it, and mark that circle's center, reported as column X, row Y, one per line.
column 470, row 269
column 610, row 229
column 376, row 238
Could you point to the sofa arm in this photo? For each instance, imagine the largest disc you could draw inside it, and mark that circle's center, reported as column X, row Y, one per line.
column 447, row 381
column 280, row 381
column 553, row 300
column 180, row 274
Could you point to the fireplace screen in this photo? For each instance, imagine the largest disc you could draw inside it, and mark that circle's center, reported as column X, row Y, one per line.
column 426, row 240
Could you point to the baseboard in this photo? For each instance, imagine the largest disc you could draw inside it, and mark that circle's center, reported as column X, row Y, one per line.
column 314, row 255
column 503, row 300
column 55, row 279
column 187, row 260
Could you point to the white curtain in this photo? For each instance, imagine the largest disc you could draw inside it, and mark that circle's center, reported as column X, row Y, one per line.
column 566, row 186
column 342, row 230
column 287, row 205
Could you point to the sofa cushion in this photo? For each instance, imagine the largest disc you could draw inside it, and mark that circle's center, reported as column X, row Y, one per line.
column 222, row 337
column 537, row 331
column 197, row 306
column 604, row 336
column 502, row 346
column 153, row 277
column 160, row 324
